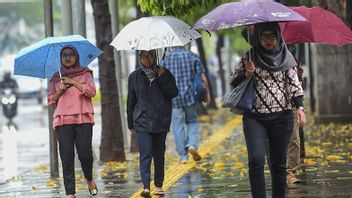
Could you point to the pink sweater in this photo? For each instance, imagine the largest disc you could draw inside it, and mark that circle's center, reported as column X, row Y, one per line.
column 73, row 106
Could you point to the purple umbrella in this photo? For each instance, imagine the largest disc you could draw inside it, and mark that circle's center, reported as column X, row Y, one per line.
column 246, row 13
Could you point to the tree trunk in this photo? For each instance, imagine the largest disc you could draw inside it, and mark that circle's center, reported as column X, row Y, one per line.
column 219, row 46
column 112, row 146
column 204, row 62
column 349, row 13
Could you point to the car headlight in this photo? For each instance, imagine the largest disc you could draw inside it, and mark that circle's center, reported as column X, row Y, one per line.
column 12, row 99
column 5, row 101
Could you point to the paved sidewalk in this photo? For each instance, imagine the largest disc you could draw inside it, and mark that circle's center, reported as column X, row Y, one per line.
column 222, row 172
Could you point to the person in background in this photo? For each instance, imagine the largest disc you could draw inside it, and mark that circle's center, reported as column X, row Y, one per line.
column 271, row 120
column 9, row 82
column 71, row 96
column 151, row 88
column 294, row 145
column 183, row 64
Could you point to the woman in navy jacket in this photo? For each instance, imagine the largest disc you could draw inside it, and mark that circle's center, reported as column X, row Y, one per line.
column 150, row 91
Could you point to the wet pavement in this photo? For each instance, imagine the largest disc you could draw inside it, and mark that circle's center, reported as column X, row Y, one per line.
column 24, row 167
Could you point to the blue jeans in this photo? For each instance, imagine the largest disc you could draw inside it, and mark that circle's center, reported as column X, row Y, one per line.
column 275, row 129
column 151, row 147
column 185, row 129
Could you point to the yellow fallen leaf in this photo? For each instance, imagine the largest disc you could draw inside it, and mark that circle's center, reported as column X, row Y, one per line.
column 80, row 186
column 331, row 171
column 200, row 189
column 41, row 168
column 51, row 183
column 324, row 163
column 79, row 177
column 204, row 118
column 308, row 161
column 333, row 157
column 326, row 143
column 35, row 188
column 239, row 165
column 219, row 165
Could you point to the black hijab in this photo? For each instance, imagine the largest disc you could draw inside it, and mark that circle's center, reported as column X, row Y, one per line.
column 278, row 59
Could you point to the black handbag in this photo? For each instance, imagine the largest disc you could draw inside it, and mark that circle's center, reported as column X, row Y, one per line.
column 241, row 98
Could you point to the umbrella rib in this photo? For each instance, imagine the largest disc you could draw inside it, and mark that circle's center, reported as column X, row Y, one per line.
column 46, row 58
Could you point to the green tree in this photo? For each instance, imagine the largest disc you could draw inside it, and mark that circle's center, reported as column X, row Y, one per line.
column 19, row 25
column 22, row 23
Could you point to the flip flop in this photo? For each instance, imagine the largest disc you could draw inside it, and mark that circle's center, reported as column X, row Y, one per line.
column 145, row 194
column 159, row 192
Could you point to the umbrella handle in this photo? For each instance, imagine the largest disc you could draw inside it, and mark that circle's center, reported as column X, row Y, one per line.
column 249, row 41
column 59, row 73
column 66, row 85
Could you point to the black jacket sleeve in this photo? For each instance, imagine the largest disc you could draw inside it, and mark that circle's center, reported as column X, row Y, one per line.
column 298, row 101
column 167, row 84
column 131, row 101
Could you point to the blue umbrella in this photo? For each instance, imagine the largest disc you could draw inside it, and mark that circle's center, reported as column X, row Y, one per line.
column 42, row 59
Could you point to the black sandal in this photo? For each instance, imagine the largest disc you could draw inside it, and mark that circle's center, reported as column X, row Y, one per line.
column 93, row 191
column 159, row 192
column 145, row 194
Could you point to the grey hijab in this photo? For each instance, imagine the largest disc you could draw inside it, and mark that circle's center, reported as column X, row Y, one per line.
column 151, row 72
column 278, row 59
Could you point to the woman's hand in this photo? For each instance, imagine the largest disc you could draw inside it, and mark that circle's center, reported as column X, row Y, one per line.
column 250, row 67
column 207, row 98
column 161, row 70
column 301, row 117
column 133, row 131
column 62, row 88
column 68, row 80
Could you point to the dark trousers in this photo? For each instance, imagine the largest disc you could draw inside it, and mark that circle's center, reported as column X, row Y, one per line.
column 274, row 129
column 151, row 146
column 68, row 136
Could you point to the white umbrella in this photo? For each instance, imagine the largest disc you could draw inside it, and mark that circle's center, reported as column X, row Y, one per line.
column 155, row 32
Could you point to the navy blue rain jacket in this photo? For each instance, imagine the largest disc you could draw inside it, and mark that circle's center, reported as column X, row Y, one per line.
column 149, row 105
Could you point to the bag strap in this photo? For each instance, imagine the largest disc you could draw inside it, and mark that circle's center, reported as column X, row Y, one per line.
column 194, row 70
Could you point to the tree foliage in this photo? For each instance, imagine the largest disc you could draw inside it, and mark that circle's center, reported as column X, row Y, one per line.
column 32, row 13
column 22, row 23
column 126, row 12
column 190, row 11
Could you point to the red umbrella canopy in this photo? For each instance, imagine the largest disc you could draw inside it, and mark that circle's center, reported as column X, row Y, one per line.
column 322, row 26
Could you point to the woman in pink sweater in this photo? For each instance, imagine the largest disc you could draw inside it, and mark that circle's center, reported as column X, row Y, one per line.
column 71, row 97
